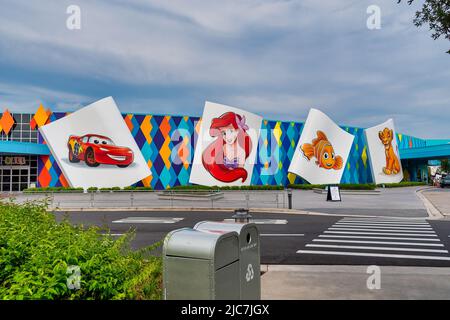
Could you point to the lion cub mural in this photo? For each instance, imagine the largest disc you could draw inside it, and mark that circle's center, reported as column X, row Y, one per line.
column 392, row 161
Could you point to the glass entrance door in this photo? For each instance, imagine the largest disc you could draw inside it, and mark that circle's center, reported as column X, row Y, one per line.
column 14, row 178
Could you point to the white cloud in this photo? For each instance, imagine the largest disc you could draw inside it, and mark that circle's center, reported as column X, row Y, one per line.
column 276, row 57
column 24, row 98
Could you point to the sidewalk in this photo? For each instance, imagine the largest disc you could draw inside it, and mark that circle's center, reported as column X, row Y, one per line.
column 350, row 283
column 440, row 198
column 398, row 202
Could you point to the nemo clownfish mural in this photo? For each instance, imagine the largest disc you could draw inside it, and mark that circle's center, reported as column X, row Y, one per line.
column 323, row 151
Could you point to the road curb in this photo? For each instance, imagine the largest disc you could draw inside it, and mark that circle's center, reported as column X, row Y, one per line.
column 433, row 211
column 256, row 210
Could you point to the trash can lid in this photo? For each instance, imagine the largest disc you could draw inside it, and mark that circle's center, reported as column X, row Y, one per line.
column 190, row 243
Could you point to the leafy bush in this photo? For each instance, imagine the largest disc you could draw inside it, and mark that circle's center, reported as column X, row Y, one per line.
column 36, row 251
column 132, row 188
column 215, row 188
column 403, row 184
column 143, row 188
column 195, row 187
column 92, row 189
column 343, row 186
column 53, row 189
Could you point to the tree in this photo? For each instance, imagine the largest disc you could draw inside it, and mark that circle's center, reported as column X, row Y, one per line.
column 437, row 14
column 445, row 165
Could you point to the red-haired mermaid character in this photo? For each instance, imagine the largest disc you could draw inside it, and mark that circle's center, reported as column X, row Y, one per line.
column 225, row 157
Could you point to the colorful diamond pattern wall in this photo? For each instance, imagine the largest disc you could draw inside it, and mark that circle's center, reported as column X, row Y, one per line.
column 6, row 122
column 168, row 143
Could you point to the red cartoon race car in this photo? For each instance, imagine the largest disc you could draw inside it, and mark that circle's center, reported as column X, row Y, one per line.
column 95, row 149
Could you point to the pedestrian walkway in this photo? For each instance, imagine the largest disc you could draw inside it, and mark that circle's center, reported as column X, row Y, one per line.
column 393, row 238
column 293, row 282
column 440, row 198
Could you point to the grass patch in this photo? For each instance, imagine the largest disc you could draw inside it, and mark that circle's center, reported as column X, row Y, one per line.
column 215, row 188
column 403, row 184
column 36, row 251
column 52, row 189
column 344, row 186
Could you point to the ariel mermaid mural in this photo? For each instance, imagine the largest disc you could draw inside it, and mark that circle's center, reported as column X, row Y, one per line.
column 225, row 152
column 225, row 157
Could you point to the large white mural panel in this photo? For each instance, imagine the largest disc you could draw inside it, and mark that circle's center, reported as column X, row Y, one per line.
column 383, row 153
column 94, row 147
column 322, row 150
column 225, row 152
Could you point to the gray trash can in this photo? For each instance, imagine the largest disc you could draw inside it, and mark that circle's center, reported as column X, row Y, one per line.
column 249, row 254
column 199, row 265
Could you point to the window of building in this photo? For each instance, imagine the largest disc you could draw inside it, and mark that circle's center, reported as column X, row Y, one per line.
column 21, row 130
column 17, row 172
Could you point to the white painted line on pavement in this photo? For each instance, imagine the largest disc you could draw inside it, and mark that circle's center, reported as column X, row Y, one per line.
column 263, row 221
column 368, row 237
column 381, row 242
column 367, row 254
column 384, row 230
column 385, row 217
column 338, row 246
column 148, row 220
column 281, row 234
column 383, row 233
column 385, row 223
column 381, row 227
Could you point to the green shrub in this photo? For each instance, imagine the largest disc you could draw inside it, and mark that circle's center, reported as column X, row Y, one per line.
column 35, row 252
column 251, row 187
column 143, row 188
column 403, row 184
column 343, row 186
column 194, row 187
column 92, row 189
column 52, row 189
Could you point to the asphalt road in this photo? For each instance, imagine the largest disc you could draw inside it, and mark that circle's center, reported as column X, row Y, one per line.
column 302, row 239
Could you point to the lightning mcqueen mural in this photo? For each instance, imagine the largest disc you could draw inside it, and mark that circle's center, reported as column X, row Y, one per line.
column 96, row 149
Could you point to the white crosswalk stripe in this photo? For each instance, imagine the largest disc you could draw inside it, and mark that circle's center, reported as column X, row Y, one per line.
column 382, row 224
column 369, row 237
column 379, row 238
column 382, row 233
column 381, row 242
column 372, row 229
column 381, row 227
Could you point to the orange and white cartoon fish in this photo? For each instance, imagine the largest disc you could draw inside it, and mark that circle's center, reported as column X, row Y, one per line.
column 322, row 149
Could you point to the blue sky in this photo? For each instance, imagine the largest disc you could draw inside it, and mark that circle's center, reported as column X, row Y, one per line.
column 276, row 58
